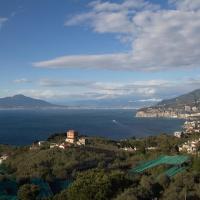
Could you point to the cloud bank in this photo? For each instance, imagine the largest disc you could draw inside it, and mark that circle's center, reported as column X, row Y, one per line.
column 132, row 91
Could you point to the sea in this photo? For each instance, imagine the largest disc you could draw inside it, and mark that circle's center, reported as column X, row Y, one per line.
column 23, row 127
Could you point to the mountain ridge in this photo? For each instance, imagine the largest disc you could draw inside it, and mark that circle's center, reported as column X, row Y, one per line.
column 22, row 101
column 191, row 98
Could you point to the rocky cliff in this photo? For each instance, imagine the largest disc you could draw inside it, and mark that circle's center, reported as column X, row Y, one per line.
column 154, row 112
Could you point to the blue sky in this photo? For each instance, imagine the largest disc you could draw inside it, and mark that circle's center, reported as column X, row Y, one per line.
column 71, row 50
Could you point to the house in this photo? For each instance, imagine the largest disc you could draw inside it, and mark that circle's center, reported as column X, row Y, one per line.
column 152, row 148
column 191, row 127
column 40, row 143
column 72, row 136
column 187, row 108
column 3, row 158
column 129, row 149
column 194, row 109
column 178, row 134
column 34, row 147
column 64, row 145
column 53, row 145
column 81, row 141
column 191, row 147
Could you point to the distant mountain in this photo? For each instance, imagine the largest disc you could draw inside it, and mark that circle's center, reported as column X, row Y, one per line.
column 184, row 106
column 189, row 99
column 21, row 101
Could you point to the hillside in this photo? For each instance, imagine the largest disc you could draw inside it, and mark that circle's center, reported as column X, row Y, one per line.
column 102, row 169
column 189, row 99
column 21, row 101
column 184, row 106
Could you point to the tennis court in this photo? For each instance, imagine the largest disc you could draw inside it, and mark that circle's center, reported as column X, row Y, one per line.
column 177, row 161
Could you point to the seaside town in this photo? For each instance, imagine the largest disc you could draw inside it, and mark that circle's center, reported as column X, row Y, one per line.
column 180, row 112
column 191, row 130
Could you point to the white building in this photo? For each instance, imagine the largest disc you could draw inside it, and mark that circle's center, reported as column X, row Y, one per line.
column 53, row 145
column 3, row 158
column 178, row 134
column 63, row 146
column 81, row 141
column 130, row 149
column 194, row 109
column 190, row 146
column 187, row 108
column 40, row 143
column 152, row 148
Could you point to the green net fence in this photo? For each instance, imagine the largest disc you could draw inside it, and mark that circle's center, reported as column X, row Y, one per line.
column 176, row 160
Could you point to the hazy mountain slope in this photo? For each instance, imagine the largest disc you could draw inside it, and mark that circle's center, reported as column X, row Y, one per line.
column 190, row 99
column 23, row 101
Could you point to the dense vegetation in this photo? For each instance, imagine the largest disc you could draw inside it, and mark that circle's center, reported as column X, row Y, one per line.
column 100, row 170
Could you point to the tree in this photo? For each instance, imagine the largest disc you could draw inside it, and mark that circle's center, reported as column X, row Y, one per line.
column 61, row 196
column 128, row 194
column 164, row 181
column 97, row 185
column 28, row 192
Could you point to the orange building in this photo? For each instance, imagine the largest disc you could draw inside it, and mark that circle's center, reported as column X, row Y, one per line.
column 72, row 136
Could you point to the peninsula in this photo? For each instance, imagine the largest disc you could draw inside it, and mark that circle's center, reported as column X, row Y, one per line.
column 183, row 107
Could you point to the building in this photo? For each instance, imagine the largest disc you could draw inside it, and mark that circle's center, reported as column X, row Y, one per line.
column 191, row 147
column 53, row 145
column 151, row 148
column 82, row 141
column 40, row 143
column 191, row 127
column 3, row 158
column 64, row 145
column 194, row 109
column 187, row 108
column 178, row 134
column 72, row 136
column 129, row 149
column 34, row 147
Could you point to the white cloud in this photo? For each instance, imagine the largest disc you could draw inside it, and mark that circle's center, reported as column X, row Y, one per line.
column 188, row 5
column 148, row 91
column 148, row 100
column 161, row 39
column 2, row 21
column 22, row 80
column 46, row 82
column 107, row 17
column 111, row 61
column 147, row 88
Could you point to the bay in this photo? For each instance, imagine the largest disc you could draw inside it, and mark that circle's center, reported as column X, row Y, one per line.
column 22, row 127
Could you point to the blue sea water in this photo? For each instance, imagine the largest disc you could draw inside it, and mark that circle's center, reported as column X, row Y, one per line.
column 21, row 127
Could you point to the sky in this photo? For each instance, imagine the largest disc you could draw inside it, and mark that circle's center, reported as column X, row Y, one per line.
column 80, row 50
